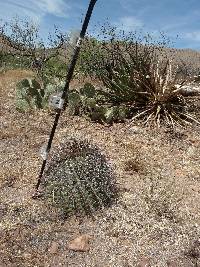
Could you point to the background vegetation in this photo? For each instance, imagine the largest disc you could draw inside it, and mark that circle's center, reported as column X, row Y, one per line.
column 138, row 77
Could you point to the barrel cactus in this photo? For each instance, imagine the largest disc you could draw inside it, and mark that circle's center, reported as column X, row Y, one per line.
column 78, row 179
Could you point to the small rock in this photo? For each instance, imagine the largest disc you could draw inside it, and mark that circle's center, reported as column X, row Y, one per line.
column 180, row 173
column 80, row 243
column 135, row 130
column 53, row 248
column 194, row 140
column 144, row 263
column 190, row 90
column 27, row 255
column 191, row 151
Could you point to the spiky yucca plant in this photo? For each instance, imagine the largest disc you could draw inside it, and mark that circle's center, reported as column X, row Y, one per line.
column 78, row 178
column 158, row 97
column 145, row 83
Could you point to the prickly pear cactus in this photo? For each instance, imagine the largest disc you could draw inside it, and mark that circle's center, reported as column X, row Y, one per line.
column 29, row 94
column 89, row 101
column 74, row 102
column 78, row 178
column 83, row 101
column 88, row 90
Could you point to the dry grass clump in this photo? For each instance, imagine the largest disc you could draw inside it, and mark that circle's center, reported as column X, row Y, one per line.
column 132, row 165
column 162, row 199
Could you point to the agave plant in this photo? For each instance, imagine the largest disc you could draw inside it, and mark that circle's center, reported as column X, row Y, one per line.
column 145, row 84
column 159, row 98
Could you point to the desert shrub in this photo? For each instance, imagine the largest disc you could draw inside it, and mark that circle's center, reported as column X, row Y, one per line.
column 12, row 61
column 137, row 73
column 54, row 68
column 23, row 47
column 79, row 179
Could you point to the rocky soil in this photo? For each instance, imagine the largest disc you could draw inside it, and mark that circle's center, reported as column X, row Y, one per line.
column 155, row 222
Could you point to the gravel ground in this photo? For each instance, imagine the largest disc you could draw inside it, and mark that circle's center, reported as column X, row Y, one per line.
column 157, row 215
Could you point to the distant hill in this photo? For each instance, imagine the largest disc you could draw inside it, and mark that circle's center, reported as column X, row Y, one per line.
column 191, row 59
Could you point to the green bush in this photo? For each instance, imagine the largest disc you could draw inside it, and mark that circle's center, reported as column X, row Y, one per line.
column 79, row 179
column 53, row 69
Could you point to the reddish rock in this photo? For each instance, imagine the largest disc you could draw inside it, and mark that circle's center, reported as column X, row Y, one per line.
column 80, row 243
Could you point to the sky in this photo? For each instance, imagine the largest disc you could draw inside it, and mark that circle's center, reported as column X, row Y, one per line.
column 178, row 19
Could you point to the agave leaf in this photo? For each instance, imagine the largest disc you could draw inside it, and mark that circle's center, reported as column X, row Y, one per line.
column 139, row 115
column 190, row 117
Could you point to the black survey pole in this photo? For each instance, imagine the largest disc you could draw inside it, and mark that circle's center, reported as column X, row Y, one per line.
column 64, row 97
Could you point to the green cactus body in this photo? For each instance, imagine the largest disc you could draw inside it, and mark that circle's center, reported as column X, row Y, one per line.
column 90, row 103
column 29, row 94
column 74, row 102
column 88, row 90
column 123, row 111
column 79, row 179
column 110, row 114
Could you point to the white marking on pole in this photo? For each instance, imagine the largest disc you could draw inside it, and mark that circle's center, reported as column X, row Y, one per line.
column 44, row 152
column 61, row 103
column 79, row 41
